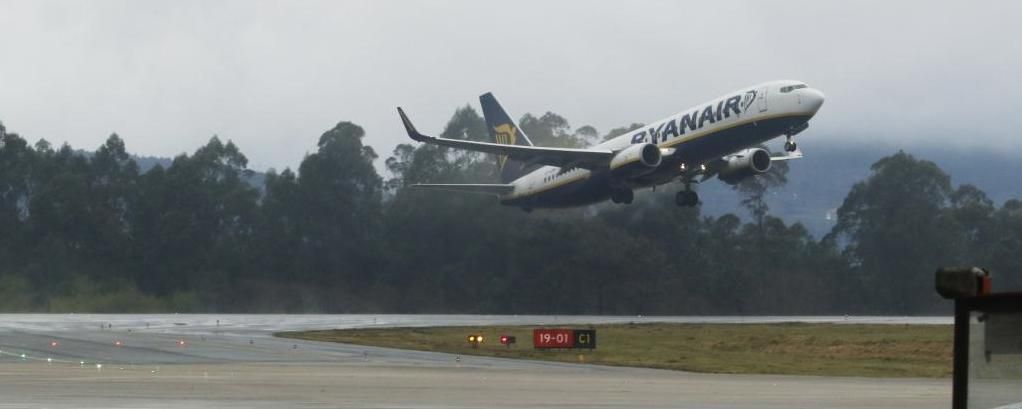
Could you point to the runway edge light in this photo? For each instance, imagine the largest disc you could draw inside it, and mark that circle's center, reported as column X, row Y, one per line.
column 475, row 339
column 508, row 340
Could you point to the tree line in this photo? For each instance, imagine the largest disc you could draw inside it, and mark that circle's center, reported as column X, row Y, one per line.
column 91, row 232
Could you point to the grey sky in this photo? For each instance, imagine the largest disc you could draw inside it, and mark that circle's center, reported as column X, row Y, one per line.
column 272, row 76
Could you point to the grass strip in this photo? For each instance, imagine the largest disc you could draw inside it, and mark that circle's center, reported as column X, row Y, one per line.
column 789, row 348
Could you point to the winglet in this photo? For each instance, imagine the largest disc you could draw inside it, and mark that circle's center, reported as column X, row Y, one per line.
column 411, row 128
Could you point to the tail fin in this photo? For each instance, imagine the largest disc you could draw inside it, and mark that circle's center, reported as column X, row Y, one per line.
column 503, row 130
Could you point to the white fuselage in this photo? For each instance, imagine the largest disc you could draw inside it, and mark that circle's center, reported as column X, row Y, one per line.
column 687, row 140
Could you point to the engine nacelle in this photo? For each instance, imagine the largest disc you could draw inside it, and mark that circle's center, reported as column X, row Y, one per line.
column 745, row 163
column 636, row 160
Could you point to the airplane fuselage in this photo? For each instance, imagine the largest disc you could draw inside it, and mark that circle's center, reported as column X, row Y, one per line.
column 687, row 140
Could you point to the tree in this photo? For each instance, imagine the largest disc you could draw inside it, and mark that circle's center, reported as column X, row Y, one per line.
column 614, row 133
column 57, row 219
column 553, row 130
column 415, row 217
column 81, row 230
column 341, row 195
column 111, row 195
column 587, row 135
column 897, row 231
column 1004, row 244
column 16, row 162
column 754, row 189
column 194, row 222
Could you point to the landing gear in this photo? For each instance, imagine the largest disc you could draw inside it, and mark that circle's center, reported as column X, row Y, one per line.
column 790, row 144
column 686, row 198
column 625, row 196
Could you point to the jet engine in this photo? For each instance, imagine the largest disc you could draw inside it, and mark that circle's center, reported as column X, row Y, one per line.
column 636, row 160
column 744, row 163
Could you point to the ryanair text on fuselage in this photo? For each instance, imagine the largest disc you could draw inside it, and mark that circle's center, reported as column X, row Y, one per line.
column 694, row 120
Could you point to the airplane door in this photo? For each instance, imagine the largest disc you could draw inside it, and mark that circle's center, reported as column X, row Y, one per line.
column 762, row 99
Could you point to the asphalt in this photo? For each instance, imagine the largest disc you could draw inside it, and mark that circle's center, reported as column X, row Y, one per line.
column 227, row 361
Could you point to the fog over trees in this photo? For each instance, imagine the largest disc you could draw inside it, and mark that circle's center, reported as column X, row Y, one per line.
column 92, row 233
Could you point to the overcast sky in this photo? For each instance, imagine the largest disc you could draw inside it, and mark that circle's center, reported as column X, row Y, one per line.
column 272, row 76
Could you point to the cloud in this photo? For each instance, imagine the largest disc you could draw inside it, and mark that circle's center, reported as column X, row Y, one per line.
column 272, row 76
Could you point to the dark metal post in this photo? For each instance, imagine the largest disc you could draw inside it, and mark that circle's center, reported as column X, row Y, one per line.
column 960, row 379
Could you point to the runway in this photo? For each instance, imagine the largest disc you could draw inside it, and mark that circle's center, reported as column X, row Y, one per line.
column 164, row 361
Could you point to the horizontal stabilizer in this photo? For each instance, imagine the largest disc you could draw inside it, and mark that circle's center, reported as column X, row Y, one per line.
column 496, row 190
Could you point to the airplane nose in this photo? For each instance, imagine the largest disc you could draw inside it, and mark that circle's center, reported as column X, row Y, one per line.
column 812, row 99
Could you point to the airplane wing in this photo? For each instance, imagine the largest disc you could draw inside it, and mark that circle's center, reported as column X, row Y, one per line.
column 496, row 190
column 787, row 156
column 563, row 157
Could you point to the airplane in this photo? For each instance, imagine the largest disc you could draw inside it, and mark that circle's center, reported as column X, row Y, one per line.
column 718, row 138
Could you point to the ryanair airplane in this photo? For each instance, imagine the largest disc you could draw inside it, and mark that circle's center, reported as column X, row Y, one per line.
column 717, row 138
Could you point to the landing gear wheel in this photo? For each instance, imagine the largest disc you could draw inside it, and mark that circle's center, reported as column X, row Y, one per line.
column 625, row 196
column 790, row 146
column 686, row 198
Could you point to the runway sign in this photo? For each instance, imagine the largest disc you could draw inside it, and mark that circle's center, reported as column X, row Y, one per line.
column 585, row 338
column 563, row 338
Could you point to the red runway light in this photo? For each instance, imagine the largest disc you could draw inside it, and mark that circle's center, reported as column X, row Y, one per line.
column 118, row 343
column 53, row 344
column 181, row 343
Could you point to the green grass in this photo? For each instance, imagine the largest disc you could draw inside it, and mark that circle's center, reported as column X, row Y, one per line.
column 797, row 349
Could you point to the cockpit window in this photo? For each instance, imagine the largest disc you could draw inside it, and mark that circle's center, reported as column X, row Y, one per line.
column 792, row 88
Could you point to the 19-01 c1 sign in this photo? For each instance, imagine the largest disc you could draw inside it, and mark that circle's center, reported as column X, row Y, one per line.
column 562, row 338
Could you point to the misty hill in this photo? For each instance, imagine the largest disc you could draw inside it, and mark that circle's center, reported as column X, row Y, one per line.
column 256, row 179
column 148, row 162
column 819, row 182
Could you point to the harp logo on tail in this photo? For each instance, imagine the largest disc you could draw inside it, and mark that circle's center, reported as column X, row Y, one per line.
column 506, row 134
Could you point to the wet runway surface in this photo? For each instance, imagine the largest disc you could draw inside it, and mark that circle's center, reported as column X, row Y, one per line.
column 234, row 361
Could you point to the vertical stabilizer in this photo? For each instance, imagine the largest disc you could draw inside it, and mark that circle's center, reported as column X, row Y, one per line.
column 503, row 130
